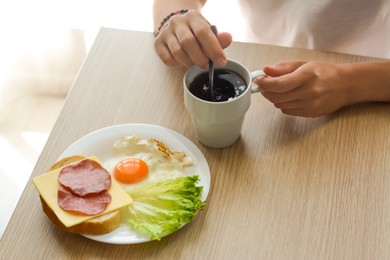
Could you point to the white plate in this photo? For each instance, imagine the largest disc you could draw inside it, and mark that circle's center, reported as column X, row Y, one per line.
column 99, row 143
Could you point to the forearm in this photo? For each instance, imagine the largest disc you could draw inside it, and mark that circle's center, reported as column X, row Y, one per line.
column 366, row 82
column 162, row 8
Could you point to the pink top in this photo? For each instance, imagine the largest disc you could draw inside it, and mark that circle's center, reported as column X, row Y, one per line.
column 359, row 27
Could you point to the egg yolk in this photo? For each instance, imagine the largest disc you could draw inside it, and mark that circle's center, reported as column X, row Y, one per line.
column 131, row 170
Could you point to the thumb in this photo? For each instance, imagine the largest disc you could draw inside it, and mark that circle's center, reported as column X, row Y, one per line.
column 282, row 68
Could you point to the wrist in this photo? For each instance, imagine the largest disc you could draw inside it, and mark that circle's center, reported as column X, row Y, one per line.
column 166, row 19
column 366, row 82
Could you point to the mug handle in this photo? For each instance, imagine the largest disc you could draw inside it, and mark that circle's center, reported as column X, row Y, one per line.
column 255, row 74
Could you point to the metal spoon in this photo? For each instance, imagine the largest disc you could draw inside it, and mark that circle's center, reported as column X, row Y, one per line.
column 211, row 66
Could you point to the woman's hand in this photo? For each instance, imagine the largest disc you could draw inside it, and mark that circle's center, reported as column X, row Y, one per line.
column 188, row 40
column 307, row 89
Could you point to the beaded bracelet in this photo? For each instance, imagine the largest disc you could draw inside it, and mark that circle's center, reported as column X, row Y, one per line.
column 165, row 21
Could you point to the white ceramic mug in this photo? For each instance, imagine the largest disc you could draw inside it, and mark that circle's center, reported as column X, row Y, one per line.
column 218, row 124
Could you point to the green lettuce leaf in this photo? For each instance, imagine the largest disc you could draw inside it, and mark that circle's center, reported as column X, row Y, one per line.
column 161, row 208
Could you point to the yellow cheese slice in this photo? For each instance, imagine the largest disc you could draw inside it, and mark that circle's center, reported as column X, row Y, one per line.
column 47, row 186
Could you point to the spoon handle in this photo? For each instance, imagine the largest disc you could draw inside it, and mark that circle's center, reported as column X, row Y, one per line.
column 211, row 76
column 211, row 65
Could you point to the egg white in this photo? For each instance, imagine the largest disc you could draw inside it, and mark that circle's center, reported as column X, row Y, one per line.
column 161, row 167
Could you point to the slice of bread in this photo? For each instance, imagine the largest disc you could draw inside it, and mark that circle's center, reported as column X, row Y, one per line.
column 66, row 161
column 96, row 226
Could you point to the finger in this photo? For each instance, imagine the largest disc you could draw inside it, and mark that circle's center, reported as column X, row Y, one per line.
column 278, row 98
column 178, row 53
column 304, row 93
column 285, row 83
column 282, row 68
column 191, row 46
column 167, row 46
column 300, row 112
column 295, row 104
column 294, row 112
column 209, row 43
column 165, row 55
column 280, row 84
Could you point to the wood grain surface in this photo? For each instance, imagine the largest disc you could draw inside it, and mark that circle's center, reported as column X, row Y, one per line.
column 290, row 188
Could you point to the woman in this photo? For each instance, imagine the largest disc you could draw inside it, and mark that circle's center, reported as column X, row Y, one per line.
column 308, row 89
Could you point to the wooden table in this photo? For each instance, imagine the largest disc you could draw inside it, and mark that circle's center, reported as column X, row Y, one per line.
column 290, row 188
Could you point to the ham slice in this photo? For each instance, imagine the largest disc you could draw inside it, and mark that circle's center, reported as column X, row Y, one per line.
column 88, row 205
column 85, row 177
column 83, row 188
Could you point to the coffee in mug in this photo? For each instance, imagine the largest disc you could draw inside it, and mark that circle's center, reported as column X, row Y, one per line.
column 227, row 85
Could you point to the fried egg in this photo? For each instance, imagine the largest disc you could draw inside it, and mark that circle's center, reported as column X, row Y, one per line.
column 137, row 160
